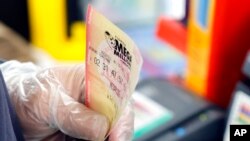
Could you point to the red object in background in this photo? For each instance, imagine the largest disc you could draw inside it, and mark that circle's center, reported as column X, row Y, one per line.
column 229, row 45
column 172, row 32
column 230, row 40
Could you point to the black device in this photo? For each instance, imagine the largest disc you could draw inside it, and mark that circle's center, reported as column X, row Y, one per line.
column 193, row 118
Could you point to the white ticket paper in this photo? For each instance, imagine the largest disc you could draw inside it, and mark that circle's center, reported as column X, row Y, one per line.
column 112, row 67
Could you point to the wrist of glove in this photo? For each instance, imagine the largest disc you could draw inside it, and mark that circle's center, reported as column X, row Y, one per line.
column 51, row 100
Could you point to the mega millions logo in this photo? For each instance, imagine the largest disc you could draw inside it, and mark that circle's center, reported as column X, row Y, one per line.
column 119, row 48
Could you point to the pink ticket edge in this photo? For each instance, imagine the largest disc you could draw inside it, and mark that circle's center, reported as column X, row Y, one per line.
column 87, row 99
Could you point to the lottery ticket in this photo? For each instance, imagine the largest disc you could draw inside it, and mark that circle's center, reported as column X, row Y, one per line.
column 113, row 64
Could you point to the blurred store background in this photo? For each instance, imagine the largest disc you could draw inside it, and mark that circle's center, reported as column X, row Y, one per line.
column 195, row 79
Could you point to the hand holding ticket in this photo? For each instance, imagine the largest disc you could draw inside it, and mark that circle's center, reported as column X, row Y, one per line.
column 112, row 67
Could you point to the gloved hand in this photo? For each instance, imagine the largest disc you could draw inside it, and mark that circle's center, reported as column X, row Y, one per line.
column 49, row 102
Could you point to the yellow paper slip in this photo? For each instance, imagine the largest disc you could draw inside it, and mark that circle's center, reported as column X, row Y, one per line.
column 112, row 68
